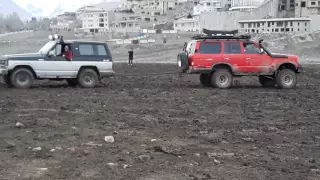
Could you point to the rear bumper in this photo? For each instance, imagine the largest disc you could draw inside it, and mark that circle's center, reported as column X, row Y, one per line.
column 106, row 74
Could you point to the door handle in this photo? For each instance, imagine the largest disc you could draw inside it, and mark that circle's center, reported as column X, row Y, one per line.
column 40, row 59
column 226, row 59
column 209, row 59
column 105, row 60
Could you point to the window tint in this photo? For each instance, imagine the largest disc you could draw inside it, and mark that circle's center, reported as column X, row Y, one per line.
column 101, row 50
column 86, row 50
column 232, row 48
column 210, row 48
column 250, row 48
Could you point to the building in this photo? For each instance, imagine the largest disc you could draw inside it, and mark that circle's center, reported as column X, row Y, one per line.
column 305, row 8
column 98, row 21
column 67, row 16
column 125, row 22
column 87, row 9
column 187, row 24
column 160, row 7
column 245, row 3
column 276, row 25
column 207, row 6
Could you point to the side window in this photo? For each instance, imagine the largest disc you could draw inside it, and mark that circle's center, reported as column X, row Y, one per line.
column 250, row 48
column 101, row 50
column 210, row 48
column 86, row 50
column 232, row 48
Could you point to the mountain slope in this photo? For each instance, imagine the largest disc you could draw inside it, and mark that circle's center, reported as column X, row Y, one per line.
column 8, row 7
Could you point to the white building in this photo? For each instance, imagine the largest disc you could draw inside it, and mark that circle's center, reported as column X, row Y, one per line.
column 100, row 21
column 307, row 7
column 279, row 25
column 187, row 24
column 161, row 6
column 206, row 6
column 245, row 3
column 87, row 9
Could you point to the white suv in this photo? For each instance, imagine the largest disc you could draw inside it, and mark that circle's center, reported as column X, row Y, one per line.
column 81, row 63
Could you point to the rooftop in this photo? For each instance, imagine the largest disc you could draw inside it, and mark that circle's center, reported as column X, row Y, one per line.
column 275, row 19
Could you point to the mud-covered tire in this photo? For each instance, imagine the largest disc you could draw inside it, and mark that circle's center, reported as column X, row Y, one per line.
column 205, row 80
column 286, row 79
column 22, row 78
column 72, row 82
column 221, row 78
column 267, row 81
column 88, row 78
column 183, row 62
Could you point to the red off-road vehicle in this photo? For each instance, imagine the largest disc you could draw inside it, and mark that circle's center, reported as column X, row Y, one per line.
column 219, row 58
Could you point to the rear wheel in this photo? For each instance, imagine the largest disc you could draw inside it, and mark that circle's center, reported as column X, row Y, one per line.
column 267, row 81
column 286, row 79
column 222, row 78
column 88, row 78
column 22, row 78
column 205, row 80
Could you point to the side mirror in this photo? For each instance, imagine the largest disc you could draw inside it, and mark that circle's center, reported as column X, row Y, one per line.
column 51, row 53
column 261, row 51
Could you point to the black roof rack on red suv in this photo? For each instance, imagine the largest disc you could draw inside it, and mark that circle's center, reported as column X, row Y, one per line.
column 214, row 34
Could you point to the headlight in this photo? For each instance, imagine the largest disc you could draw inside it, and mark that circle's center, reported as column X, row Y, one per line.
column 4, row 62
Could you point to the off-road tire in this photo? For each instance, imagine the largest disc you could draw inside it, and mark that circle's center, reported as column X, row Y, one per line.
column 18, row 83
column 221, row 78
column 88, row 78
column 266, row 81
column 286, row 79
column 183, row 62
column 72, row 82
column 205, row 80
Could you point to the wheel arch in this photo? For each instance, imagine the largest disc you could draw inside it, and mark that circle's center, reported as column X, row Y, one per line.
column 89, row 67
column 222, row 65
column 287, row 65
column 26, row 67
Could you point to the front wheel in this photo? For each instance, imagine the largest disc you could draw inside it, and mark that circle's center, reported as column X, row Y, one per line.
column 286, row 79
column 22, row 78
column 88, row 78
column 222, row 78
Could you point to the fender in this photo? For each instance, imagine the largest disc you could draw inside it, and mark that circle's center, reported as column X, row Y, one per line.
column 225, row 64
column 285, row 62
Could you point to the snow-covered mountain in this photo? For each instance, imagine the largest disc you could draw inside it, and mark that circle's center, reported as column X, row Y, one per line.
column 50, row 8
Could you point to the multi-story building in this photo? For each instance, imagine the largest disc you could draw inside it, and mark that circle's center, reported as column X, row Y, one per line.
column 187, row 24
column 66, row 16
column 276, row 25
column 161, row 6
column 207, row 6
column 99, row 21
column 87, row 9
column 305, row 8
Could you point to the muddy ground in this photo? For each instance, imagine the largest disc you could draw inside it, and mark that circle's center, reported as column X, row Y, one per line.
column 165, row 127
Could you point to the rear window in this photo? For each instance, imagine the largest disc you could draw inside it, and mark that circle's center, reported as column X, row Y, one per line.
column 232, row 48
column 210, row 48
column 92, row 50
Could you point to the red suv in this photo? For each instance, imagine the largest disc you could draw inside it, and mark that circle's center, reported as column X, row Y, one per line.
column 219, row 58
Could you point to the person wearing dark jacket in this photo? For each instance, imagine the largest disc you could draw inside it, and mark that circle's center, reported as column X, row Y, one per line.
column 130, row 56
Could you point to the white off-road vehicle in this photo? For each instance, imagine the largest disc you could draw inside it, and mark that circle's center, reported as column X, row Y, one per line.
column 81, row 63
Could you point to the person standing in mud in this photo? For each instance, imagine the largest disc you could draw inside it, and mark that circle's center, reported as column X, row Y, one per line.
column 130, row 56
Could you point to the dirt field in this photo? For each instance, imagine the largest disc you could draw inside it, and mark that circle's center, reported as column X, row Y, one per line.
column 165, row 127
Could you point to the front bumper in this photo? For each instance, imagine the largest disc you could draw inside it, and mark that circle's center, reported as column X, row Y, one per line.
column 3, row 70
column 299, row 68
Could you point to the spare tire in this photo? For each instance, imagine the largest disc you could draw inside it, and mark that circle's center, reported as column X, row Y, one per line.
column 183, row 62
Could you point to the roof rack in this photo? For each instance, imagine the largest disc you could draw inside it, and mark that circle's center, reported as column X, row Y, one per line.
column 209, row 34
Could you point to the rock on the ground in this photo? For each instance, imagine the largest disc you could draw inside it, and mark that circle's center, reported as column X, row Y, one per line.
column 19, row 125
column 37, row 149
column 112, row 164
column 144, row 158
column 109, row 139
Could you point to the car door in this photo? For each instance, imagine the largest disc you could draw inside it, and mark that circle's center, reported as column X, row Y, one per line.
column 104, row 58
column 256, row 61
column 233, row 55
column 208, row 53
column 58, row 66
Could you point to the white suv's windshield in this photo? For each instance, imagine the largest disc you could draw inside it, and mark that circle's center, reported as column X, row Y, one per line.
column 46, row 48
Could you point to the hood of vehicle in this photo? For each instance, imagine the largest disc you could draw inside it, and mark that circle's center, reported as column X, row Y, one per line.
column 25, row 56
